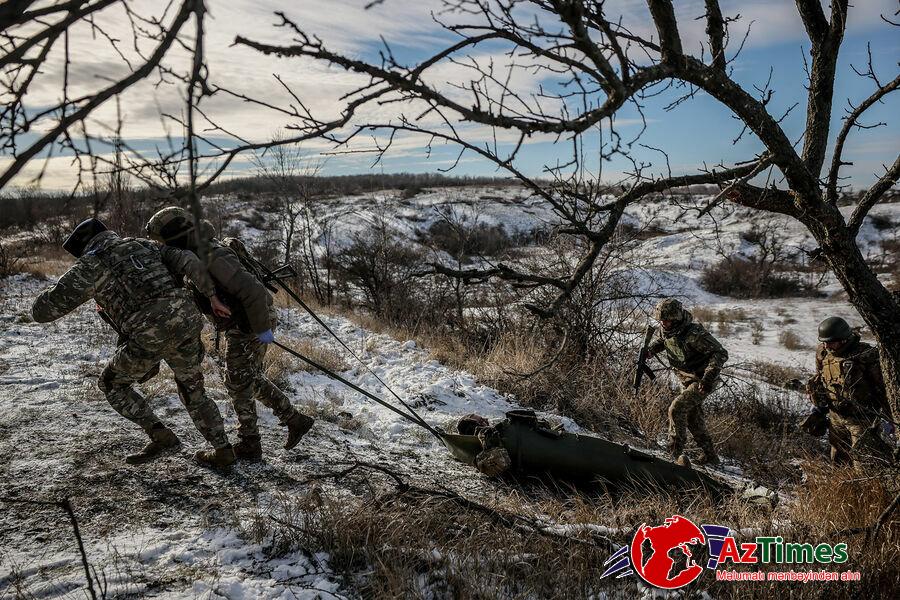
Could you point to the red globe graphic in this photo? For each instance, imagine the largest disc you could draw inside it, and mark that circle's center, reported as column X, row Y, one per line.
column 662, row 555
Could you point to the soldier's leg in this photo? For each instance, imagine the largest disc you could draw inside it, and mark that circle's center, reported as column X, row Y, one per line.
column 840, row 440
column 127, row 366
column 867, row 449
column 246, row 380
column 240, row 381
column 679, row 412
column 697, row 424
column 184, row 357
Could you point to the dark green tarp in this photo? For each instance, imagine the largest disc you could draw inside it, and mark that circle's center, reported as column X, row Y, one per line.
column 536, row 450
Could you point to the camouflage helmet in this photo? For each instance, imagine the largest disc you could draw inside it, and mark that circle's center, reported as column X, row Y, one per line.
column 834, row 329
column 669, row 309
column 169, row 224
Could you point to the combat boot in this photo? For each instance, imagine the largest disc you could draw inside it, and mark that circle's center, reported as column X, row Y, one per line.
column 162, row 439
column 249, row 448
column 297, row 426
column 683, row 461
column 708, row 458
column 216, row 458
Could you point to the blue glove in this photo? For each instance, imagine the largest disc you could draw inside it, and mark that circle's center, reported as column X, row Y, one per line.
column 266, row 337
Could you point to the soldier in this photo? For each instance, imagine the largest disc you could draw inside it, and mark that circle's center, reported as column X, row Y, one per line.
column 132, row 282
column 849, row 387
column 697, row 358
column 247, row 332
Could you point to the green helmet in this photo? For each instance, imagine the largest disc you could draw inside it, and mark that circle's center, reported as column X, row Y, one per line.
column 834, row 329
column 170, row 224
column 669, row 309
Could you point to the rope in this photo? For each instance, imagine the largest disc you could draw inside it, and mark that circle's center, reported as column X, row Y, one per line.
column 277, row 279
column 416, row 420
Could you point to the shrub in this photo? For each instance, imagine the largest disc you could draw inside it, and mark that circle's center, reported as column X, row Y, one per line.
column 881, row 222
column 377, row 268
column 463, row 241
column 790, row 340
column 742, row 278
column 10, row 263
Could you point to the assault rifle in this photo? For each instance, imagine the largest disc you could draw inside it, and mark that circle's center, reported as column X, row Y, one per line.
column 642, row 368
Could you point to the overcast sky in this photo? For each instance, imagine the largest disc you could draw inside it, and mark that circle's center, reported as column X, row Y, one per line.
column 697, row 132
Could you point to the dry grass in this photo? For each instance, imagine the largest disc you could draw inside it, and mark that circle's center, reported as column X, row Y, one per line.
column 414, row 542
column 792, row 341
column 279, row 363
column 776, row 374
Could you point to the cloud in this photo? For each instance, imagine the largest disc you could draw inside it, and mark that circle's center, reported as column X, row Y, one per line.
column 345, row 27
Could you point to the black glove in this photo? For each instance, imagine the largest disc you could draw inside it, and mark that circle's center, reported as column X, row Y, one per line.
column 816, row 422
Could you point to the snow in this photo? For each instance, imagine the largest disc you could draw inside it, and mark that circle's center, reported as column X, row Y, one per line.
column 173, row 530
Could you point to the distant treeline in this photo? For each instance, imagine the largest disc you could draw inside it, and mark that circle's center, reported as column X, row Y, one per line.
column 26, row 208
column 351, row 184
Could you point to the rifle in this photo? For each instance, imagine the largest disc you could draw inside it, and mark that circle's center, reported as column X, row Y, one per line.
column 641, row 368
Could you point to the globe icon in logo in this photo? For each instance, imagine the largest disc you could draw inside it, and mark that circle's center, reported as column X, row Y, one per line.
column 663, row 556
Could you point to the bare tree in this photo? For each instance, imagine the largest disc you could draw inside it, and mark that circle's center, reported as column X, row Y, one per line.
column 600, row 66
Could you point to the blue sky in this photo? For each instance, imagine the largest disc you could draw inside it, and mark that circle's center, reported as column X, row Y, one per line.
column 695, row 132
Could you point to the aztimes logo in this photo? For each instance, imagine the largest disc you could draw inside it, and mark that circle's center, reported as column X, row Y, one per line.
column 667, row 556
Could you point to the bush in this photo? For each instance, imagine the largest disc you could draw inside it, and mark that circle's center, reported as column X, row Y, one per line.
column 742, row 278
column 790, row 340
column 377, row 269
column 881, row 222
column 463, row 241
column 10, row 264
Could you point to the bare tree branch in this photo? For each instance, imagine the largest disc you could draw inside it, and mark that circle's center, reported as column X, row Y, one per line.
column 872, row 195
column 93, row 102
column 849, row 122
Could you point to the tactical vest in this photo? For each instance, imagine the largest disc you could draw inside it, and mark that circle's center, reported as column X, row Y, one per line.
column 845, row 380
column 680, row 356
column 137, row 276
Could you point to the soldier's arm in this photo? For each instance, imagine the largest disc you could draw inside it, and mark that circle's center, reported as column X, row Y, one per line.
column 185, row 262
column 709, row 346
column 814, row 387
column 657, row 345
column 243, row 285
column 74, row 288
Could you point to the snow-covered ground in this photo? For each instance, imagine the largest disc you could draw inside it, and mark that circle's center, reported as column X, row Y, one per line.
column 169, row 527
column 671, row 262
column 173, row 529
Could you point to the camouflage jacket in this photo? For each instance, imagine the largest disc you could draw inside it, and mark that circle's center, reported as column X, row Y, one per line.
column 249, row 300
column 849, row 381
column 125, row 276
column 691, row 350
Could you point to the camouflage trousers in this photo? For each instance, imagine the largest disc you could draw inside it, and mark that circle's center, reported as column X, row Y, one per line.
column 170, row 332
column 686, row 414
column 246, row 381
column 855, row 441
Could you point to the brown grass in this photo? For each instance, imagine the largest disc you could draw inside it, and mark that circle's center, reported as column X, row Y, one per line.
column 395, row 542
column 776, row 374
column 791, row 340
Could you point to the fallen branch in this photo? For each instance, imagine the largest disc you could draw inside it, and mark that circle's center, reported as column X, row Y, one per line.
column 66, row 506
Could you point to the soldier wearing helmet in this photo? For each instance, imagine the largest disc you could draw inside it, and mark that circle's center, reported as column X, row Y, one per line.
column 248, row 330
column 132, row 282
column 697, row 358
column 849, row 387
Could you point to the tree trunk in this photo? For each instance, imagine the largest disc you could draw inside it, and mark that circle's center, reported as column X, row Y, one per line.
column 878, row 307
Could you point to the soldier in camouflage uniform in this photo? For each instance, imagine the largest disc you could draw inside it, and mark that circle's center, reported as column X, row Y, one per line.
column 697, row 358
column 132, row 282
column 247, row 332
column 849, row 387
